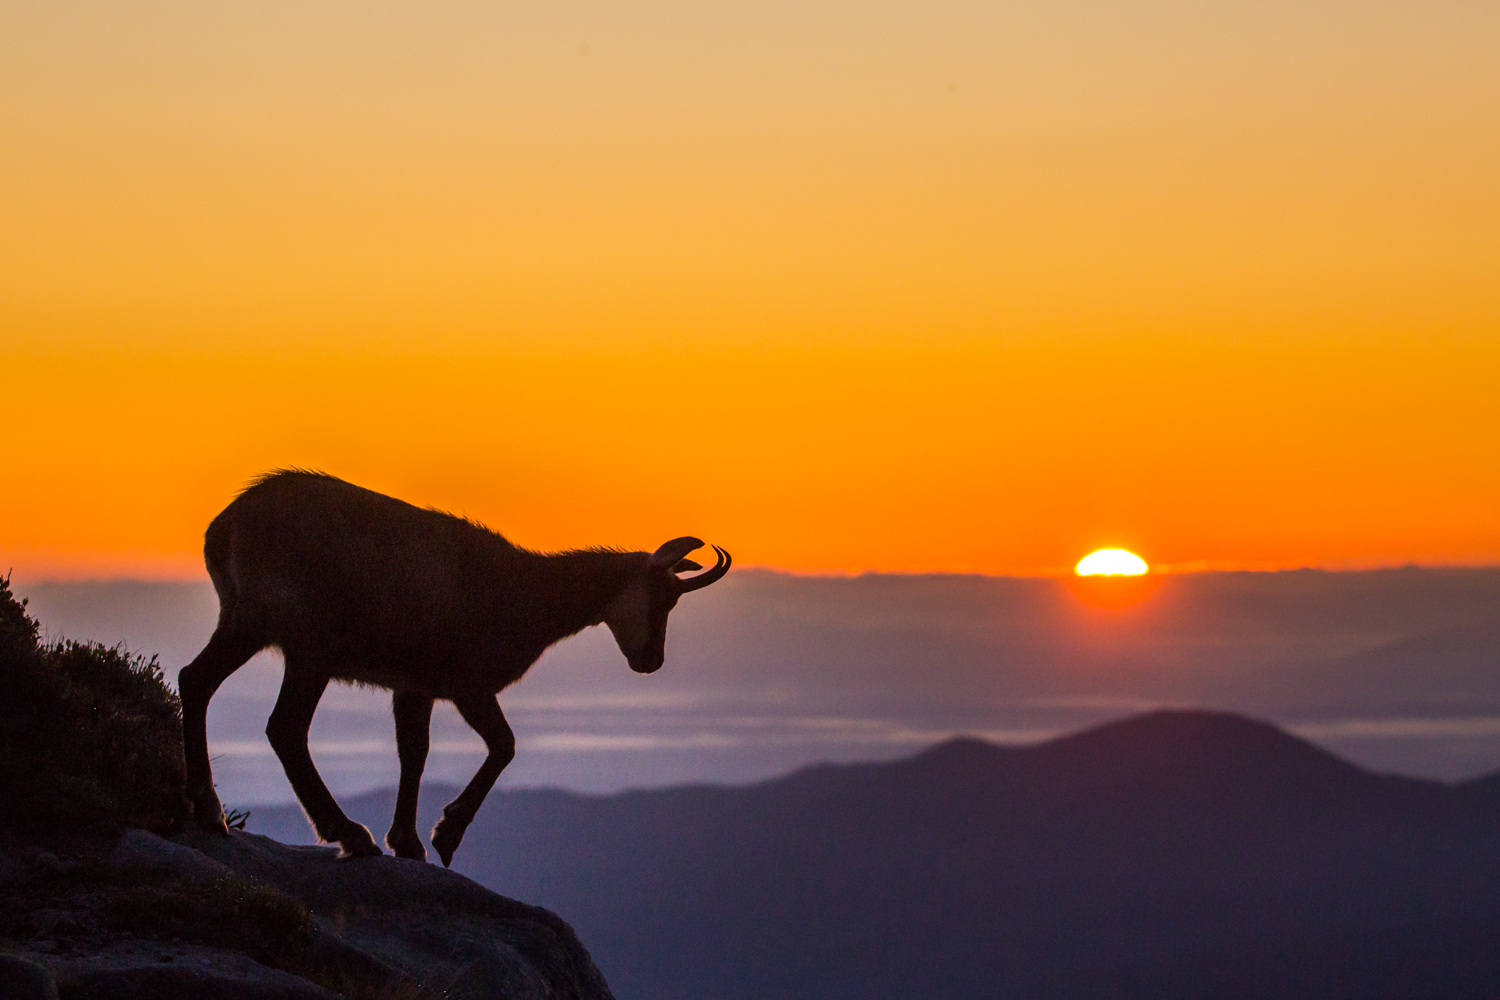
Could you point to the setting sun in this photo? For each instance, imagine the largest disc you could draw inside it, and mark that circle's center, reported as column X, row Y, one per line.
column 1111, row 562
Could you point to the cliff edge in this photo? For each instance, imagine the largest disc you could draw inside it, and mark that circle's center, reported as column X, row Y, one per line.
column 248, row 917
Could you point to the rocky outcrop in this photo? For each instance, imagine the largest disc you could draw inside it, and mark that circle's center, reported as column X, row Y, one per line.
column 247, row 917
column 91, row 743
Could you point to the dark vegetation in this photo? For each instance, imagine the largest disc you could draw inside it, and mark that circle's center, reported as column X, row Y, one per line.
column 90, row 736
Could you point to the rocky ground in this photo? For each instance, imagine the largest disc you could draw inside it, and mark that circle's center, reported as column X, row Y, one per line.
column 141, row 916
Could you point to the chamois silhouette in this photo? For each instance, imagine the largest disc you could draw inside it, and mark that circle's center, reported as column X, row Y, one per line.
column 356, row 586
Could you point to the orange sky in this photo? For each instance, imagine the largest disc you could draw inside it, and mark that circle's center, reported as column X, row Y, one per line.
column 841, row 286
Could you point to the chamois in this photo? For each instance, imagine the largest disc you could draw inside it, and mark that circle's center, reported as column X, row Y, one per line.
column 355, row 586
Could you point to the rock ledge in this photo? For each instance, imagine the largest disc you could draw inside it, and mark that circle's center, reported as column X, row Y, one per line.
column 285, row 923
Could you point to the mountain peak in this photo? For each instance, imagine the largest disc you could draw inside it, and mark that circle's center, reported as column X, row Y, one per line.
column 1208, row 755
column 1193, row 731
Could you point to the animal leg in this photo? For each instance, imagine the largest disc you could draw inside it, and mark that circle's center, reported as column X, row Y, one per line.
column 413, row 719
column 225, row 653
column 482, row 713
column 287, row 731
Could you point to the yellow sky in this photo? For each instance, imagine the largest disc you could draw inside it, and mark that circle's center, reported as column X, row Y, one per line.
column 841, row 286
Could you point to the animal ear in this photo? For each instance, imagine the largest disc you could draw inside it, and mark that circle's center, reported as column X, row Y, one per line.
column 685, row 566
column 668, row 554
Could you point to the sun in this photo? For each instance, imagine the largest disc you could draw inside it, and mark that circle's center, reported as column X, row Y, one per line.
column 1111, row 562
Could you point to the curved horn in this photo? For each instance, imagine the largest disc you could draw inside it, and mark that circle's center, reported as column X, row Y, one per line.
column 666, row 557
column 708, row 576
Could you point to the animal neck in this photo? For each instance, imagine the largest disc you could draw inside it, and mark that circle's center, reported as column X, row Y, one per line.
column 572, row 589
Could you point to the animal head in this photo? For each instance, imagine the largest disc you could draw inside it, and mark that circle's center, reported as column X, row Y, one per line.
column 638, row 614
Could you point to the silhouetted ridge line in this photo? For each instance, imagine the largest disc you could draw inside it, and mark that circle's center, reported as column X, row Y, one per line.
column 1178, row 853
column 1183, row 739
column 1154, row 749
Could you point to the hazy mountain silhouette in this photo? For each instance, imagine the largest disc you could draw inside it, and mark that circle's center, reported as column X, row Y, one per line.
column 1448, row 670
column 1183, row 854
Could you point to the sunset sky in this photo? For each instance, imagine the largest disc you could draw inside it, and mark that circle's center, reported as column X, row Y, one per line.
column 886, row 286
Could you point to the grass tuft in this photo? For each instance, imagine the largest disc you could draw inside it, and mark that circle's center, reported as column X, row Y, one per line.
column 88, row 733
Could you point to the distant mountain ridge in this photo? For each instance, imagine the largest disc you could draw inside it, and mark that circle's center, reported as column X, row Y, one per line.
column 1178, row 853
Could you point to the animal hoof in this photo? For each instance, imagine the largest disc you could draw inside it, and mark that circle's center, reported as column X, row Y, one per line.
column 446, row 837
column 358, row 843
column 406, row 845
